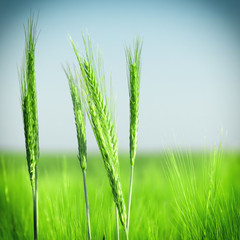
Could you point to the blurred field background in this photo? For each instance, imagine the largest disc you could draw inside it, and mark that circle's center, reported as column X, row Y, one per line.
column 156, row 197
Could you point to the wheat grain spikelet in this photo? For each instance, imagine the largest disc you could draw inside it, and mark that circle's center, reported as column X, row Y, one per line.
column 134, row 67
column 29, row 100
column 79, row 117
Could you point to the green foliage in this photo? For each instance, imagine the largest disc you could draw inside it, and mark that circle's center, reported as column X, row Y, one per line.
column 203, row 209
column 134, row 67
column 155, row 214
column 79, row 117
column 29, row 99
column 93, row 82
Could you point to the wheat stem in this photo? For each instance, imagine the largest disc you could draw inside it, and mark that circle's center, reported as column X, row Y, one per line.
column 117, row 224
column 130, row 196
column 86, row 204
column 126, row 234
column 35, row 205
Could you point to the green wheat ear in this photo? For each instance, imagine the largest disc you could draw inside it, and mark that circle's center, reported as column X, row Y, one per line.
column 79, row 117
column 29, row 111
column 81, row 134
column 29, row 99
column 93, row 82
column 134, row 67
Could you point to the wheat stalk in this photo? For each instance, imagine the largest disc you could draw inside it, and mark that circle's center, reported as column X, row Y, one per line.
column 134, row 67
column 29, row 111
column 81, row 134
column 93, row 82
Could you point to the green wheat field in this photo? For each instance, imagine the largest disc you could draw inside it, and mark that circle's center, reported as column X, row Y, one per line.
column 176, row 195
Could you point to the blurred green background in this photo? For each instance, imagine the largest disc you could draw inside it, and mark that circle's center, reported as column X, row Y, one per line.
column 156, row 197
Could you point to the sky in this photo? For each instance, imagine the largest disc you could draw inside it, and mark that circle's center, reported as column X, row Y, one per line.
column 190, row 76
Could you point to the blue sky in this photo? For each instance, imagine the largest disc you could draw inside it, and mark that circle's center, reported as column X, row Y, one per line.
column 190, row 78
